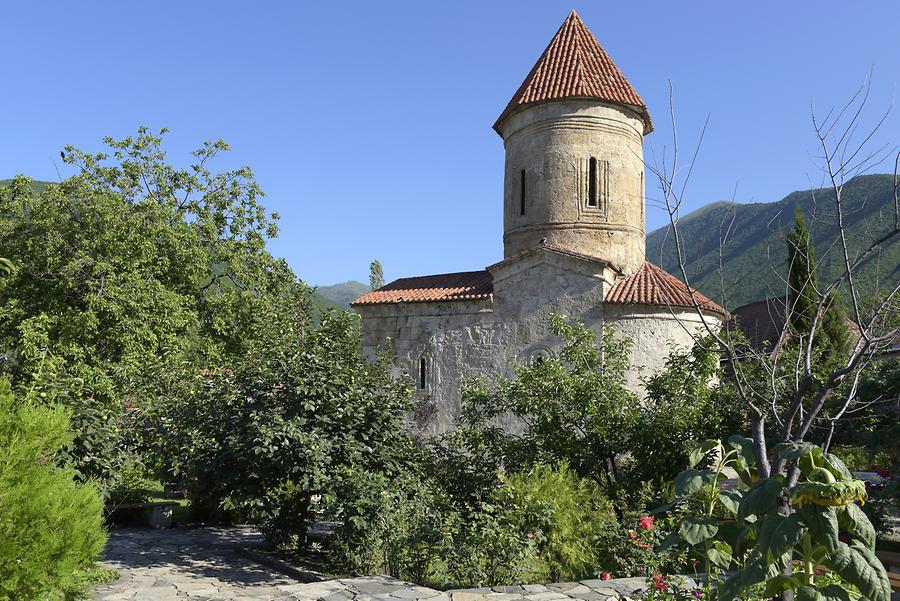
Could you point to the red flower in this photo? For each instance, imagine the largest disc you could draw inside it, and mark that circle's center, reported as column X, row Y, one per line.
column 660, row 586
column 658, row 577
column 645, row 523
column 605, row 576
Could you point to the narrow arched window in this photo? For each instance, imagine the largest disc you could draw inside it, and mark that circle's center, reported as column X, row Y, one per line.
column 522, row 192
column 592, row 182
column 422, row 373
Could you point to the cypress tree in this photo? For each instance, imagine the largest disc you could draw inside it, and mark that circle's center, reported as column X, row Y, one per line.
column 803, row 297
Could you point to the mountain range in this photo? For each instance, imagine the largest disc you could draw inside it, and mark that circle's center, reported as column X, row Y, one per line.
column 755, row 253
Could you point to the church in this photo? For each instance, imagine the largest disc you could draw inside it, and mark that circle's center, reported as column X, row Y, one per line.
column 573, row 240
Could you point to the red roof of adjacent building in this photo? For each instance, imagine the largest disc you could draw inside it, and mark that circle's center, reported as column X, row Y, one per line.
column 575, row 65
column 650, row 285
column 466, row 285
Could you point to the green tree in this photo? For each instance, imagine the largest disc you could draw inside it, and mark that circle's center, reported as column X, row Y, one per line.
column 128, row 272
column 803, row 295
column 268, row 434
column 575, row 408
column 376, row 275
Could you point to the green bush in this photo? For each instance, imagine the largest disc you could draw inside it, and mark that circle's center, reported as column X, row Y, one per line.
column 562, row 513
column 387, row 525
column 50, row 526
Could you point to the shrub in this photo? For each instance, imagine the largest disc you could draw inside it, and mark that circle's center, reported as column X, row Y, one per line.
column 562, row 513
column 386, row 525
column 50, row 526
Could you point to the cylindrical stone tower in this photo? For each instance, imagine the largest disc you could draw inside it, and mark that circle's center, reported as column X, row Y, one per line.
column 573, row 134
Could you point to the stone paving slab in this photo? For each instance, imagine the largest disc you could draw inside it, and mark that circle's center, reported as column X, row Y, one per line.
column 207, row 564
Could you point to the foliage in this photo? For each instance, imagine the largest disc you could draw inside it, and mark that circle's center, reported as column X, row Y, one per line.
column 134, row 485
column 562, row 513
column 50, row 527
column 264, row 436
column 627, row 548
column 391, row 525
column 130, row 271
column 575, row 408
column 684, row 405
column 775, row 519
column 376, row 275
column 803, row 297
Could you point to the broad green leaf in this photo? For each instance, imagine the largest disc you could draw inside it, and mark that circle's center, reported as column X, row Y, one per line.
column 793, row 451
column 778, row 535
column 822, row 523
column 831, row 592
column 691, row 481
column 670, row 541
column 699, row 452
column 744, row 447
column 834, row 465
column 855, row 523
column 761, row 498
column 745, row 460
column 731, row 500
column 696, row 529
column 719, row 554
column 858, row 565
column 781, row 583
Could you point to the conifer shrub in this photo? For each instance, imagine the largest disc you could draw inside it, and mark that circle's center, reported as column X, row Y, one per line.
column 51, row 528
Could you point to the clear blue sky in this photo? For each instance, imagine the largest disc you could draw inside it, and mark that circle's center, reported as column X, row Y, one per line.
column 368, row 124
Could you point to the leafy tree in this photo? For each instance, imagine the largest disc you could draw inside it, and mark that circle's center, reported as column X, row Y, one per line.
column 127, row 272
column 376, row 275
column 686, row 402
column 265, row 436
column 575, row 408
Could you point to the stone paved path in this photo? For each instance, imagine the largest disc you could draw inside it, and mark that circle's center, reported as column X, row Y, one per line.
column 205, row 564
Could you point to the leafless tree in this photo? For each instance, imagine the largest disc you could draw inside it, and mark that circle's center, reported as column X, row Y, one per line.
column 787, row 393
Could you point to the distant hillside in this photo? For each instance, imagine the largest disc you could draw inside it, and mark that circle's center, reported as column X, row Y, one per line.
column 755, row 255
column 345, row 293
column 320, row 304
column 38, row 186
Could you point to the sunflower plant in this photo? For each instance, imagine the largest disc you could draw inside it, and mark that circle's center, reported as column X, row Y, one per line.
column 790, row 527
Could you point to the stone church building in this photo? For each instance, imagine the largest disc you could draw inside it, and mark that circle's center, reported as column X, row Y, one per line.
column 573, row 240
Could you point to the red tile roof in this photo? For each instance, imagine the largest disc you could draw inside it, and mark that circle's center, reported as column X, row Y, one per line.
column 559, row 249
column 574, row 65
column 650, row 285
column 466, row 285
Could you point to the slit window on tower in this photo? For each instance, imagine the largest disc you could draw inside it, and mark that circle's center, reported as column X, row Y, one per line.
column 422, row 374
column 522, row 192
column 592, row 182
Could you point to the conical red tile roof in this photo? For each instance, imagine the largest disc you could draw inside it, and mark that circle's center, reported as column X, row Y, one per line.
column 574, row 65
column 650, row 285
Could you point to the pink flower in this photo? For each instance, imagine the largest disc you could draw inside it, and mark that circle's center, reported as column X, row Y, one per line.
column 605, row 576
column 645, row 523
column 530, row 535
column 642, row 570
column 660, row 586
